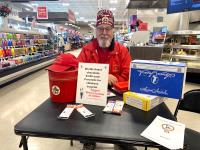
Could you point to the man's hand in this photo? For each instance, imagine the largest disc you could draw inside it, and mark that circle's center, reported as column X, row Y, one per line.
column 112, row 79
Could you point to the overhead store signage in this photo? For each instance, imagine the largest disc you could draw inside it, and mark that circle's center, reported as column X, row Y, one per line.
column 42, row 12
column 175, row 6
column 27, row 0
column 71, row 16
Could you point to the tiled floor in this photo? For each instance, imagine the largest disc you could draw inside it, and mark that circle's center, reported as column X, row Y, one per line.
column 20, row 98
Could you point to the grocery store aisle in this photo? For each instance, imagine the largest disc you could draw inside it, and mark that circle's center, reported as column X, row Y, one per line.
column 20, row 98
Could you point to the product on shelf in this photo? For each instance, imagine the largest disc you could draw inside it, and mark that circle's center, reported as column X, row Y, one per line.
column 181, row 52
column 17, row 49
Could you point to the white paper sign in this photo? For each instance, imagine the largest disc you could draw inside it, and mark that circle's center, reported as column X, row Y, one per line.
column 92, row 84
column 165, row 132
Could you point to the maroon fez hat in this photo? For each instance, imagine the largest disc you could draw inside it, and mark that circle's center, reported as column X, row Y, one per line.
column 105, row 17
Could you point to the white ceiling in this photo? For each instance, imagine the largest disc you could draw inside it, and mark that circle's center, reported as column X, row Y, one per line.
column 85, row 10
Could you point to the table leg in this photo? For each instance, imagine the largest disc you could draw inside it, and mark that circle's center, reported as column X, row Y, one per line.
column 24, row 143
column 71, row 142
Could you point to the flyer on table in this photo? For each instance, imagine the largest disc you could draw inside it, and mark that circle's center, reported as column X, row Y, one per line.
column 165, row 132
column 92, row 84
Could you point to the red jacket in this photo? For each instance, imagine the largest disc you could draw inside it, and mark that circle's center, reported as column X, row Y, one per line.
column 119, row 59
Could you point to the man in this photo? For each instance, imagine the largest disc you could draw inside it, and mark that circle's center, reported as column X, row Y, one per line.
column 61, row 44
column 105, row 50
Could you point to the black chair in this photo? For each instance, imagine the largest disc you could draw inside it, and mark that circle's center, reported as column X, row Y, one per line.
column 191, row 103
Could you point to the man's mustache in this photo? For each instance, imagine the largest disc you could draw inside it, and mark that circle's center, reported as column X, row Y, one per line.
column 104, row 37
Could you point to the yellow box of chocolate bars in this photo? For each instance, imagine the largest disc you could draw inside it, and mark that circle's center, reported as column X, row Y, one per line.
column 142, row 101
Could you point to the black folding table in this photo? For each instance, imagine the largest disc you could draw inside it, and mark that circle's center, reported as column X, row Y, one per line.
column 105, row 128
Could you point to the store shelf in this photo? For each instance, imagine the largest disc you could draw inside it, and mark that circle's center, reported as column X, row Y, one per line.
column 27, row 46
column 12, row 69
column 165, row 55
column 20, row 60
column 33, row 39
column 186, row 46
column 184, row 32
column 22, row 31
column 182, row 57
column 13, row 73
column 186, row 57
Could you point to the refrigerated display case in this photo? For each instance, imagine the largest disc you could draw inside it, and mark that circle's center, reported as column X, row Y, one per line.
column 183, row 46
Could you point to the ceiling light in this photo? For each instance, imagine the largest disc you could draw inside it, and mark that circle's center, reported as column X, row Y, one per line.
column 34, row 4
column 82, row 18
column 76, row 13
column 28, row 9
column 91, row 26
column 125, row 12
column 113, row 1
column 112, row 9
column 156, row 10
column 65, row 4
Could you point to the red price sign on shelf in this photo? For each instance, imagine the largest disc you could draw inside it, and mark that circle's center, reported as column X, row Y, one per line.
column 42, row 12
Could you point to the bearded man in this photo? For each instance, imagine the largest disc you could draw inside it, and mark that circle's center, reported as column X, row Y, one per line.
column 103, row 49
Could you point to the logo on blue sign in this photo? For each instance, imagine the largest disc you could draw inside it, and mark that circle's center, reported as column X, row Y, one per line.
column 154, row 79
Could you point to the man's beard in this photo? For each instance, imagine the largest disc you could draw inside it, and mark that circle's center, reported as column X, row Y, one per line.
column 104, row 42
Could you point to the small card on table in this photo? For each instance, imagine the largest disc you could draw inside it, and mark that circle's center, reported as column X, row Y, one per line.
column 84, row 111
column 67, row 112
column 114, row 107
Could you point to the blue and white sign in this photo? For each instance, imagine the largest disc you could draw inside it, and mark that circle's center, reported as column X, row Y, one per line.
column 165, row 79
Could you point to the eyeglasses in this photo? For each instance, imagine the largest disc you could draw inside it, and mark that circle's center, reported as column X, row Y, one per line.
column 101, row 29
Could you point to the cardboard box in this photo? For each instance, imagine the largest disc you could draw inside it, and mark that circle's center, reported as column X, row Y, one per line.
column 142, row 101
column 165, row 79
